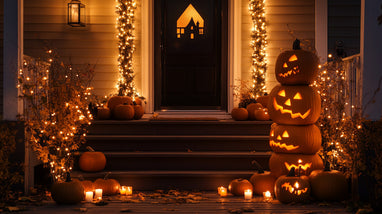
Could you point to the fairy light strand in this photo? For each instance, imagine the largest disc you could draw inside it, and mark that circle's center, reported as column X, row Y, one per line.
column 258, row 44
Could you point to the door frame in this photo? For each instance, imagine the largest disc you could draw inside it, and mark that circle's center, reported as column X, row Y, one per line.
column 233, row 47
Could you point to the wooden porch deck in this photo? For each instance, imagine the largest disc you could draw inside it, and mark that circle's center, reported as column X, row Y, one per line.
column 210, row 203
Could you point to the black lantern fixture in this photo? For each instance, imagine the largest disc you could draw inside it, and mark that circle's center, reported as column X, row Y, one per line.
column 76, row 14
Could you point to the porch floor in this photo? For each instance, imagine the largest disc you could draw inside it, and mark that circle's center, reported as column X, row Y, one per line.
column 211, row 203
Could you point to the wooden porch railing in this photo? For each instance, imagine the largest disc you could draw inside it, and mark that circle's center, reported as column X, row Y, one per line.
column 352, row 66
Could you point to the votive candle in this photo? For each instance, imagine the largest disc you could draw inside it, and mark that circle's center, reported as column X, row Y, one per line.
column 98, row 194
column 248, row 194
column 89, row 196
column 123, row 190
column 267, row 196
column 129, row 190
column 222, row 191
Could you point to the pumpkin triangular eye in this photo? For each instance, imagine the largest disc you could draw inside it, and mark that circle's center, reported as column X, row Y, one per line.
column 285, row 65
column 285, row 134
column 278, row 137
column 293, row 58
column 272, row 133
column 297, row 96
column 282, row 93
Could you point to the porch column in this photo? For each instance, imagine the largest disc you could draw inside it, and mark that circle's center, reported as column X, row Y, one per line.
column 371, row 58
column 321, row 29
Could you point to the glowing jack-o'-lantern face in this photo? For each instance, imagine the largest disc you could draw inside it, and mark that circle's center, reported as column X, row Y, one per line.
column 280, row 164
column 294, row 105
column 292, row 189
column 297, row 67
column 295, row 139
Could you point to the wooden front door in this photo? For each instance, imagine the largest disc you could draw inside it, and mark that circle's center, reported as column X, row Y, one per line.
column 190, row 54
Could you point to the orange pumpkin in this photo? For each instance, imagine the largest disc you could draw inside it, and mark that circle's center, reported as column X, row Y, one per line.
column 280, row 164
column 295, row 139
column 296, row 67
column 92, row 161
column 114, row 101
column 86, row 184
column 108, row 186
column 251, row 110
column 262, row 114
column 294, row 105
column 238, row 186
column 239, row 114
column 263, row 100
column 262, row 181
column 124, row 112
column 138, row 112
column 138, row 101
column 103, row 113
column 68, row 192
column 290, row 188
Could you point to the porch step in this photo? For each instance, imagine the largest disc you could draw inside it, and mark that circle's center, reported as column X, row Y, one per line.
column 179, row 154
column 165, row 179
column 249, row 143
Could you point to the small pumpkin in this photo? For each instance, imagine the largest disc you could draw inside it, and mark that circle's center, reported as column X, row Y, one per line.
column 86, row 184
column 239, row 114
column 328, row 185
column 280, row 164
column 263, row 100
column 294, row 105
column 103, row 113
column 251, row 110
column 238, row 186
column 296, row 67
column 295, row 139
column 114, row 101
column 138, row 112
column 291, row 188
column 109, row 186
column 68, row 192
column 124, row 112
column 138, row 101
column 262, row 114
column 92, row 161
column 262, row 181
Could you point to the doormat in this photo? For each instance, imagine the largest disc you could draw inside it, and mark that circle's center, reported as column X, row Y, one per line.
column 160, row 118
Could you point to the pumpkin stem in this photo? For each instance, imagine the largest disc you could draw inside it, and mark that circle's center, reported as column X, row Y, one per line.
column 296, row 45
column 68, row 178
column 259, row 168
column 90, row 149
column 292, row 172
column 327, row 166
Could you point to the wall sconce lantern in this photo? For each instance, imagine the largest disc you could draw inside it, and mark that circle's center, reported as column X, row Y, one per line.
column 76, row 14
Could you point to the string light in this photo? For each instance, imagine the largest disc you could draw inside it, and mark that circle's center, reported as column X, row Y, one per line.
column 258, row 44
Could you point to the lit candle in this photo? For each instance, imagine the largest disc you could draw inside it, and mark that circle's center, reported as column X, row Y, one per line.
column 222, row 191
column 98, row 194
column 299, row 167
column 248, row 194
column 123, row 190
column 267, row 196
column 129, row 190
column 89, row 196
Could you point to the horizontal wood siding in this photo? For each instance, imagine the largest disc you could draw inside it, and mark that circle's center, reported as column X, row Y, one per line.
column 344, row 20
column 97, row 44
column 286, row 20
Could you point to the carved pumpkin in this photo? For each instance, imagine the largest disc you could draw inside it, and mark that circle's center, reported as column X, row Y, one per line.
column 103, row 113
column 280, row 164
column 290, row 188
column 238, row 186
column 108, row 186
column 263, row 100
column 251, row 110
column 296, row 67
column 262, row 114
column 239, row 114
column 295, row 139
column 328, row 185
column 124, row 112
column 69, row 192
column 294, row 105
column 262, row 181
column 138, row 112
column 92, row 161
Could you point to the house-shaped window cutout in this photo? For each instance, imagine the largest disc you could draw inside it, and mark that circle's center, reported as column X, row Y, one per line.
column 190, row 24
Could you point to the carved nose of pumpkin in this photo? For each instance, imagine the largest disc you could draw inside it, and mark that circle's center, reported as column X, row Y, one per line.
column 285, row 65
column 278, row 137
column 287, row 103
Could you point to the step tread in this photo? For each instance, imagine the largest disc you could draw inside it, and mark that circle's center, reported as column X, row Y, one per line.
column 190, row 154
column 174, row 137
column 147, row 121
column 163, row 172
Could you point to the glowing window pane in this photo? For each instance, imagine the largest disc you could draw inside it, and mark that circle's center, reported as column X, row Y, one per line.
column 182, row 31
column 192, row 36
column 190, row 23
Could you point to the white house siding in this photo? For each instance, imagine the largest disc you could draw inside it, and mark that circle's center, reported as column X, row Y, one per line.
column 283, row 17
column 344, row 24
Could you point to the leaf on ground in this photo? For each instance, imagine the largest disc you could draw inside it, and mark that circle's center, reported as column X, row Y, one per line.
column 14, row 209
column 125, row 210
column 235, row 211
column 170, row 209
column 101, row 203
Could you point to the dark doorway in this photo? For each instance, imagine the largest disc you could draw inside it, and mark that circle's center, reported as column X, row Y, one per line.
column 190, row 54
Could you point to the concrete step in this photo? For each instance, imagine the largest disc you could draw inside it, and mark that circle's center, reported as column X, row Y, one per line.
column 179, row 143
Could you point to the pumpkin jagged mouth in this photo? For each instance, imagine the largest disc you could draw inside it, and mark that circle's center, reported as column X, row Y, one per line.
column 292, row 189
column 283, row 145
column 303, row 167
column 295, row 70
column 284, row 111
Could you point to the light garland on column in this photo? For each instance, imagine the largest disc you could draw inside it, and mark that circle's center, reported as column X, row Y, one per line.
column 125, row 25
column 259, row 45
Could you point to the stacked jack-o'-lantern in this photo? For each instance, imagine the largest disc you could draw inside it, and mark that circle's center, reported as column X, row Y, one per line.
column 295, row 106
